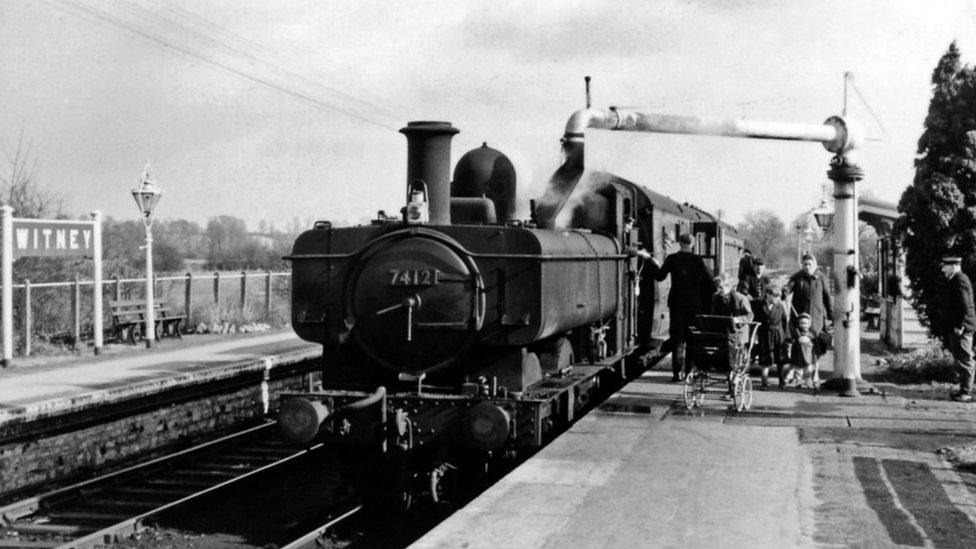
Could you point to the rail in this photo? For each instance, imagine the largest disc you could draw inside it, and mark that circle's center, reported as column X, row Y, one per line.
column 316, row 538
column 101, row 510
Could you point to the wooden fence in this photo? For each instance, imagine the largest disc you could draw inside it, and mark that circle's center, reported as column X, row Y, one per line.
column 252, row 292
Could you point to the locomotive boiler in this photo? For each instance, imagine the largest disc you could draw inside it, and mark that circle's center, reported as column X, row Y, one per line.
column 455, row 332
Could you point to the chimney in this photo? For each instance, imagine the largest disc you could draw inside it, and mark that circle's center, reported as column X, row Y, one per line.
column 429, row 160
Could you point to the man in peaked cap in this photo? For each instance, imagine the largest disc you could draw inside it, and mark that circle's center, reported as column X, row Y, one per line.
column 691, row 291
column 958, row 321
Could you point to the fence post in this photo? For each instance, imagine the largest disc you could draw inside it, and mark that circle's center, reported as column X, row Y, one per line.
column 216, row 287
column 7, row 283
column 267, row 295
column 117, row 288
column 187, row 294
column 98, row 290
column 76, row 312
column 28, row 321
column 243, row 293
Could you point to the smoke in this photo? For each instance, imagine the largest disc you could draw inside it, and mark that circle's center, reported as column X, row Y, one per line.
column 561, row 185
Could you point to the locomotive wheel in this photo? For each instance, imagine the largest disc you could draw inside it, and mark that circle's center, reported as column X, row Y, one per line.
column 742, row 396
column 694, row 390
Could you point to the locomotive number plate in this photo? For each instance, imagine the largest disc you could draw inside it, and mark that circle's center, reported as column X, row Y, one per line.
column 413, row 277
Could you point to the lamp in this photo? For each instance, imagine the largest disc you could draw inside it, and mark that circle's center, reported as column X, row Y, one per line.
column 824, row 215
column 147, row 197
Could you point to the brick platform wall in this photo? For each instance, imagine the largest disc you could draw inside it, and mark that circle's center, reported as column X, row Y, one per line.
column 27, row 463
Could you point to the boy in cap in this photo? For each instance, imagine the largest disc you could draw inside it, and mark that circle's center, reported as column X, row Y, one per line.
column 753, row 285
column 691, row 287
column 728, row 302
column 959, row 323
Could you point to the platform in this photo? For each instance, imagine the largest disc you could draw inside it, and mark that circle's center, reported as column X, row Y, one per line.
column 66, row 418
column 798, row 470
column 42, row 390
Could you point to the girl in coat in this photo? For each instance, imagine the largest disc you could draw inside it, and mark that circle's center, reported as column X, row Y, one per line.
column 773, row 336
column 802, row 358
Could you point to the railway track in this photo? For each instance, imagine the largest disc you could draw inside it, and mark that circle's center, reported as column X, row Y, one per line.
column 316, row 539
column 102, row 510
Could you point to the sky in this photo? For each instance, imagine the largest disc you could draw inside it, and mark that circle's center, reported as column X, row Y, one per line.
column 289, row 110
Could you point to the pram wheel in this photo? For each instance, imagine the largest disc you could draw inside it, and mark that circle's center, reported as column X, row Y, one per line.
column 694, row 391
column 742, row 392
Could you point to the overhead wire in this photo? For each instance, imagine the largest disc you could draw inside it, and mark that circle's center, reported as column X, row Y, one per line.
column 867, row 106
column 276, row 60
column 110, row 19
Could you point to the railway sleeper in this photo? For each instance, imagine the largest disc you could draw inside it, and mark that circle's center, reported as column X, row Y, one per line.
column 88, row 517
column 195, row 485
column 229, row 467
column 161, row 493
column 205, row 473
column 241, row 458
column 31, row 528
column 279, row 452
column 106, row 502
column 28, row 544
column 265, row 443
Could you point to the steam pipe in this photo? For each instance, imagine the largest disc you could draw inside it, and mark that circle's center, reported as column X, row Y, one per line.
column 836, row 134
column 367, row 401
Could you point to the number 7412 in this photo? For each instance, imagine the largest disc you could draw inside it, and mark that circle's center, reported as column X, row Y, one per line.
column 413, row 277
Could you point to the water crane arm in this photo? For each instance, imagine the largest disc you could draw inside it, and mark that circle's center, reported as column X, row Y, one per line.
column 836, row 134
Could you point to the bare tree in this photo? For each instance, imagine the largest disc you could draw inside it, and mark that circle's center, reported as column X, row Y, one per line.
column 762, row 229
column 19, row 185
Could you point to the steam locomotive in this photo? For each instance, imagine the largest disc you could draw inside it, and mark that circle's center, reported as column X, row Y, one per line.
column 456, row 331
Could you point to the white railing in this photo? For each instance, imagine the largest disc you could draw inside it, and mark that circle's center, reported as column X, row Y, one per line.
column 244, row 296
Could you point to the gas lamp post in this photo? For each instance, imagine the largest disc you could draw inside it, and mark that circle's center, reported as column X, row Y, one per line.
column 147, row 196
column 824, row 216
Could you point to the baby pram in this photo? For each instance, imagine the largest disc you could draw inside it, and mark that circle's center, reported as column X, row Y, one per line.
column 719, row 352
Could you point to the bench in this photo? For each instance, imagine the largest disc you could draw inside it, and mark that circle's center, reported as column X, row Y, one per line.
column 128, row 317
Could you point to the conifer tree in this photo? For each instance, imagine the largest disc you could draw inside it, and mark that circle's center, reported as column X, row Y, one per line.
column 939, row 208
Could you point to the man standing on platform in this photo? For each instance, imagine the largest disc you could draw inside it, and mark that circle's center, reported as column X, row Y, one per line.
column 747, row 264
column 959, row 322
column 753, row 285
column 691, row 290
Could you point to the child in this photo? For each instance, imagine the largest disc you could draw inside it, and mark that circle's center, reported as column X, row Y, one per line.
column 802, row 359
column 773, row 335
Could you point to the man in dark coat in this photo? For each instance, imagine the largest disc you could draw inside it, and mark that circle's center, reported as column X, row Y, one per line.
column 959, row 322
column 747, row 265
column 753, row 284
column 691, row 287
column 810, row 294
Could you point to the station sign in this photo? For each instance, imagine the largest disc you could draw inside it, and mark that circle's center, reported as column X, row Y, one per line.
column 52, row 238
column 26, row 237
